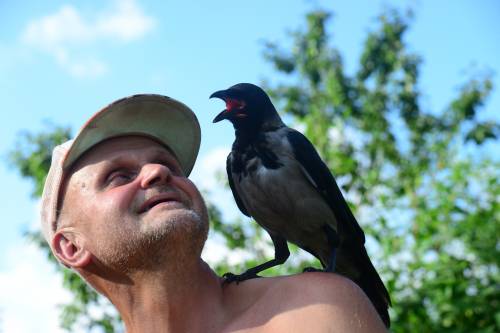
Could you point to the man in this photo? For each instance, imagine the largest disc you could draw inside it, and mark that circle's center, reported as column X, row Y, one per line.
column 118, row 209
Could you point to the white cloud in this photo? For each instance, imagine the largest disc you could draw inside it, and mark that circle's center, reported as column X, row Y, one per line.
column 206, row 175
column 208, row 166
column 67, row 35
column 30, row 292
column 215, row 251
column 127, row 22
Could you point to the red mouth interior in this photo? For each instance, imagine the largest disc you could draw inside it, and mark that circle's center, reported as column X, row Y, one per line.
column 232, row 104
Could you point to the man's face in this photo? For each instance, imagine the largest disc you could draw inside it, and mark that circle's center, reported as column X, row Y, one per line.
column 130, row 203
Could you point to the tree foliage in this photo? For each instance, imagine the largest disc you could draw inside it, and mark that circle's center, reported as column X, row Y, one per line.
column 425, row 192
column 421, row 182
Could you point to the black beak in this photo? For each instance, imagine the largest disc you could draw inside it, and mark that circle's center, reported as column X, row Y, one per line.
column 221, row 116
column 222, row 94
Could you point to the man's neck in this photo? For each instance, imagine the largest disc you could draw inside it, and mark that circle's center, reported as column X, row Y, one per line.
column 165, row 301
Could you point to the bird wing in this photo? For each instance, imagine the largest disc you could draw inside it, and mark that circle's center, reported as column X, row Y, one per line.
column 236, row 196
column 319, row 175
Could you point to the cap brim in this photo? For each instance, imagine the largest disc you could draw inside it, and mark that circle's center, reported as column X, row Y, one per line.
column 168, row 121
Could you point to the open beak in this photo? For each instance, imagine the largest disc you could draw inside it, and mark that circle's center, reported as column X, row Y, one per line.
column 221, row 116
column 222, row 94
column 219, row 94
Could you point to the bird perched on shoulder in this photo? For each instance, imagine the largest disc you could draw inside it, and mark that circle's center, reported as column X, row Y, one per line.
column 278, row 178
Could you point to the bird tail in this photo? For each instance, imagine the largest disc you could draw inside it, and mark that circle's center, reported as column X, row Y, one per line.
column 354, row 263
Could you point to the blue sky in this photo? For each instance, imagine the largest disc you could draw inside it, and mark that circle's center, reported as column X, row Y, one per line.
column 61, row 61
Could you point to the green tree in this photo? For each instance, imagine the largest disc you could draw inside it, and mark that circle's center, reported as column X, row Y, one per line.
column 424, row 190
column 421, row 183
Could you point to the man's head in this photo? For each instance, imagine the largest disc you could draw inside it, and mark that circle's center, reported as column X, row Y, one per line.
column 118, row 196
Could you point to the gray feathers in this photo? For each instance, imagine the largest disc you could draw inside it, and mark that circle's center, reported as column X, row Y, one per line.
column 283, row 200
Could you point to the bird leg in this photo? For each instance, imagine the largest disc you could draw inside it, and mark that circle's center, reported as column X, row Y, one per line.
column 333, row 260
column 281, row 254
column 333, row 240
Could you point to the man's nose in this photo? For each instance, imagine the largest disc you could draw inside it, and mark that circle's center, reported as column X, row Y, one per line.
column 153, row 174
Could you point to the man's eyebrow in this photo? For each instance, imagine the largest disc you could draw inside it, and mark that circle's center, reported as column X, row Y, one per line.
column 167, row 156
column 158, row 151
column 153, row 154
column 116, row 159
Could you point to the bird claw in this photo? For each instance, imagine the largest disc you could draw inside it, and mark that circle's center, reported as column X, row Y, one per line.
column 312, row 269
column 230, row 277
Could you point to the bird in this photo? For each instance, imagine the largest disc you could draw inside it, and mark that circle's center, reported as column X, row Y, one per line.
column 278, row 178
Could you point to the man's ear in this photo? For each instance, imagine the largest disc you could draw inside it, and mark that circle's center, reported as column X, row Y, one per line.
column 68, row 250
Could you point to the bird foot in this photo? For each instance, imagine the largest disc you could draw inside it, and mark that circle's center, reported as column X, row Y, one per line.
column 312, row 269
column 230, row 277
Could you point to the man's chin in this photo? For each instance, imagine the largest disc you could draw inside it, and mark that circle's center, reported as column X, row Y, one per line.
column 163, row 237
column 177, row 225
column 171, row 238
column 168, row 215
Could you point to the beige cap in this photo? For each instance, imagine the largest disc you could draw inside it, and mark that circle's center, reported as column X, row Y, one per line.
column 162, row 118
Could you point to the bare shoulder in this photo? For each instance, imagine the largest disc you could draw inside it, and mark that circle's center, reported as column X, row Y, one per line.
column 328, row 287
column 337, row 300
column 317, row 302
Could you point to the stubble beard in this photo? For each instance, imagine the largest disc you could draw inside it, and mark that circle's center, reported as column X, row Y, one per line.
column 163, row 245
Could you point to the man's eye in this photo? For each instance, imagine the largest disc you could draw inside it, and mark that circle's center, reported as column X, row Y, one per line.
column 119, row 177
column 174, row 168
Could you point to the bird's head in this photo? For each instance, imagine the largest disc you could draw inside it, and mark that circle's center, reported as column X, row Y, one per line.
column 247, row 106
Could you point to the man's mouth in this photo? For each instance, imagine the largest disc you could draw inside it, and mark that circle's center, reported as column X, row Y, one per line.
column 158, row 199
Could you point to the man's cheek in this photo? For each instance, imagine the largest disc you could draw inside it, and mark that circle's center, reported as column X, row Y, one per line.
column 192, row 191
column 121, row 200
column 199, row 204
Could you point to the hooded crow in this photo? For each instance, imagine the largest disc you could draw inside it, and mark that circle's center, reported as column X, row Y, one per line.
column 278, row 178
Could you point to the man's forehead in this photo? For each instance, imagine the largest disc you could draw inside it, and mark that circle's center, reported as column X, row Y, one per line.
column 121, row 146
